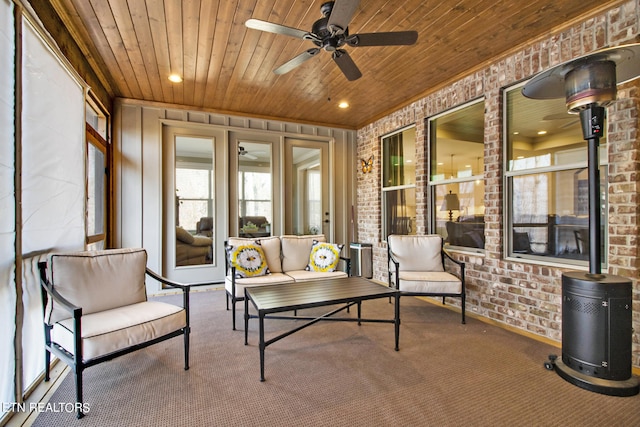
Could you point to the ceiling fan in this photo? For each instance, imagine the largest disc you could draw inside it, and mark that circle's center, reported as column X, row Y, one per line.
column 243, row 152
column 331, row 33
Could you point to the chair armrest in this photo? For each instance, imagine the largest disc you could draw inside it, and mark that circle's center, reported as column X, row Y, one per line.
column 54, row 295
column 393, row 259
column 396, row 265
column 347, row 262
column 185, row 289
column 461, row 264
column 448, row 255
column 164, row 280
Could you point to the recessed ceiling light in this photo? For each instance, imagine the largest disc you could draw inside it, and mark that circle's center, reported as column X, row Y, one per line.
column 175, row 78
column 516, row 133
column 343, row 104
column 542, row 132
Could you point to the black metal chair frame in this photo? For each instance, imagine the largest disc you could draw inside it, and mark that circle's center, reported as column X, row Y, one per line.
column 444, row 255
column 75, row 361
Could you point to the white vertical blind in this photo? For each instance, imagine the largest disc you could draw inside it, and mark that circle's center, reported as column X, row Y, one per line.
column 7, row 204
column 52, row 177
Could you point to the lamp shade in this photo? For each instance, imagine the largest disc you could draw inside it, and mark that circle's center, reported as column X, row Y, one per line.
column 451, row 202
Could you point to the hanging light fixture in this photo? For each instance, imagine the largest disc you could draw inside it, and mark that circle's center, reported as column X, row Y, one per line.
column 596, row 343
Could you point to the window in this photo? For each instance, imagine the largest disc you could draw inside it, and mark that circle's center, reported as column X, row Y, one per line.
column 96, row 190
column 194, row 198
column 97, row 182
column 456, row 141
column 546, row 172
column 399, row 182
column 255, row 194
column 255, row 189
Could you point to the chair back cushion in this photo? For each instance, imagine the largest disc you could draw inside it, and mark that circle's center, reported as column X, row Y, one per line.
column 270, row 247
column 97, row 280
column 296, row 250
column 417, row 253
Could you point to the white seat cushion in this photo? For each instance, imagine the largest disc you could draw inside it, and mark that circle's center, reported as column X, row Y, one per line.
column 304, row 275
column 269, row 279
column 429, row 282
column 107, row 331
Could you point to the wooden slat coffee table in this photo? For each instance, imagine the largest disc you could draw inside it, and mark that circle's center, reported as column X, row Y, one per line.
column 346, row 292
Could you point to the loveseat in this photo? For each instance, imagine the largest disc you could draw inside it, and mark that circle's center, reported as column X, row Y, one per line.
column 278, row 260
column 467, row 231
column 192, row 250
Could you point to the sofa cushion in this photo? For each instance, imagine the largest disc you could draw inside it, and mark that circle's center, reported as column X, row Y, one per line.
column 417, row 253
column 111, row 330
column 296, row 250
column 202, row 241
column 308, row 275
column 184, row 236
column 98, row 280
column 248, row 259
column 270, row 247
column 324, row 257
column 269, row 279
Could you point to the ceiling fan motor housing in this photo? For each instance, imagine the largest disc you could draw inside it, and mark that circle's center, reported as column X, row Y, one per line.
column 326, row 39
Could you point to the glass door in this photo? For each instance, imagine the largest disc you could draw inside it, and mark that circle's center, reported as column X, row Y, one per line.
column 307, row 190
column 194, row 211
column 254, row 185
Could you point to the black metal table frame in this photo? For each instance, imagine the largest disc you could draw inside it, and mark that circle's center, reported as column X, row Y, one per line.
column 348, row 302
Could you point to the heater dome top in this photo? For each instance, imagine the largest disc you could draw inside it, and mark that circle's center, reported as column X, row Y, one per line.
column 551, row 83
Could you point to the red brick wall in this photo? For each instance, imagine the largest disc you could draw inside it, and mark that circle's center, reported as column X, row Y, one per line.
column 523, row 295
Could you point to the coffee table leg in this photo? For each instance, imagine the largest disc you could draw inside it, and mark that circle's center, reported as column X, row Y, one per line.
column 246, row 318
column 359, row 312
column 397, row 321
column 262, row 346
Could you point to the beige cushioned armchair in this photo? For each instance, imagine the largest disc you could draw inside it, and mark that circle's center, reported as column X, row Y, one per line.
column 96, row 309
column 417, row 268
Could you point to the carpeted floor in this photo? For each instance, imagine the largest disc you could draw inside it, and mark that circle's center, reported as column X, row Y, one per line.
column 340, row 374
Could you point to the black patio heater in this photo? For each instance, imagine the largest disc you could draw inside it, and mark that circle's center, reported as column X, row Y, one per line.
column 596, row 308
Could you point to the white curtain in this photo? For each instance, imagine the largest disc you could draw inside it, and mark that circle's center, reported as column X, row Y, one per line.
column 7, row 204
column 52, row 178
column 52, row 188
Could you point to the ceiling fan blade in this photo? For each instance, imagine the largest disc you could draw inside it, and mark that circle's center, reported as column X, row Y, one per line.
column 341, row 15
column 270, row 27
column 559, row 116
column 297, row 61
column 346, row 64
column 395, row 38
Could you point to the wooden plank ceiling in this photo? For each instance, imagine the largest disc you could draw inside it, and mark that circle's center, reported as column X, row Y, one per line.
column 136, row 44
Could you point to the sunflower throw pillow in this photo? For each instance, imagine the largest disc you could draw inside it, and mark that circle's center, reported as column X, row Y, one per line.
column 249, row 260
column 324, row 257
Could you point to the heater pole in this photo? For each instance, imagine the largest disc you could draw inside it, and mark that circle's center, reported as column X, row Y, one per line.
column 592, row 119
